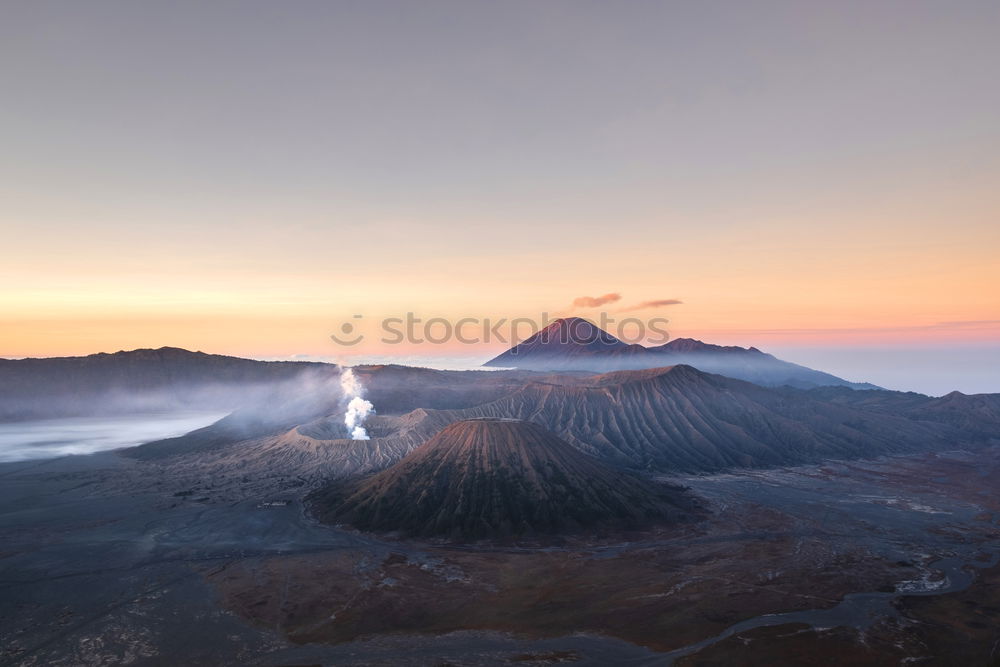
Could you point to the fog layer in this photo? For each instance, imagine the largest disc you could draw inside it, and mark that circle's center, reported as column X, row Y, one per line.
column 50, row 438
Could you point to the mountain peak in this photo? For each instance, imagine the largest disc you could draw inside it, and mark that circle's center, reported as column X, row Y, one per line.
column 570, row 339
column 578, row 331
column 568, row 321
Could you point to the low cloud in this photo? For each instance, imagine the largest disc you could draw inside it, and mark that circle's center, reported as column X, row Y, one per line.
column 595, row 301
column 657, row 303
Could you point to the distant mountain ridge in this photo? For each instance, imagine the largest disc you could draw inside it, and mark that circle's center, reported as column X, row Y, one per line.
column 135, row 381
column 576, row 344
column 976, row 415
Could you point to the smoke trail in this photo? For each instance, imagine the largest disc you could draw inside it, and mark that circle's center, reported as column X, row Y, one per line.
column 358, row 408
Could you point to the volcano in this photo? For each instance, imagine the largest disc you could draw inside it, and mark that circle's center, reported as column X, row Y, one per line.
column 497, row 478
column 574, row 344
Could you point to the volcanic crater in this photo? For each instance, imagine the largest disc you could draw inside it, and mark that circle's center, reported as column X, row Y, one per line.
column 499, row 478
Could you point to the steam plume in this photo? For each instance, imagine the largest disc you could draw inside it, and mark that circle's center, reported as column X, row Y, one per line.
column 358, row 408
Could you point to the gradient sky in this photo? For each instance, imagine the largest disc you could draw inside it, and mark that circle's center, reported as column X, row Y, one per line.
column 241, row 177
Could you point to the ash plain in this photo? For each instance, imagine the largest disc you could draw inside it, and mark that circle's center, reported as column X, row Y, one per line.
column 109, row 560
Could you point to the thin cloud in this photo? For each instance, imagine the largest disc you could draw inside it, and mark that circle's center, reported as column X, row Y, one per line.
column 657, row 303
column 954, row 325
column 595, row 301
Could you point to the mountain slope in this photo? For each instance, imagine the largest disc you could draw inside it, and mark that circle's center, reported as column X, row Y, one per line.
column 575, row 344
column 674, row 419
column 496, row 478
column 683, row 420
column 977, row 415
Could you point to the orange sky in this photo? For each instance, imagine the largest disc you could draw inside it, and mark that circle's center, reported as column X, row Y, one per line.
column 795, row 174
column 844, row 284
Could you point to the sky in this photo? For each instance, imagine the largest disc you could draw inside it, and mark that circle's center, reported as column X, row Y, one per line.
column 817, row 179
